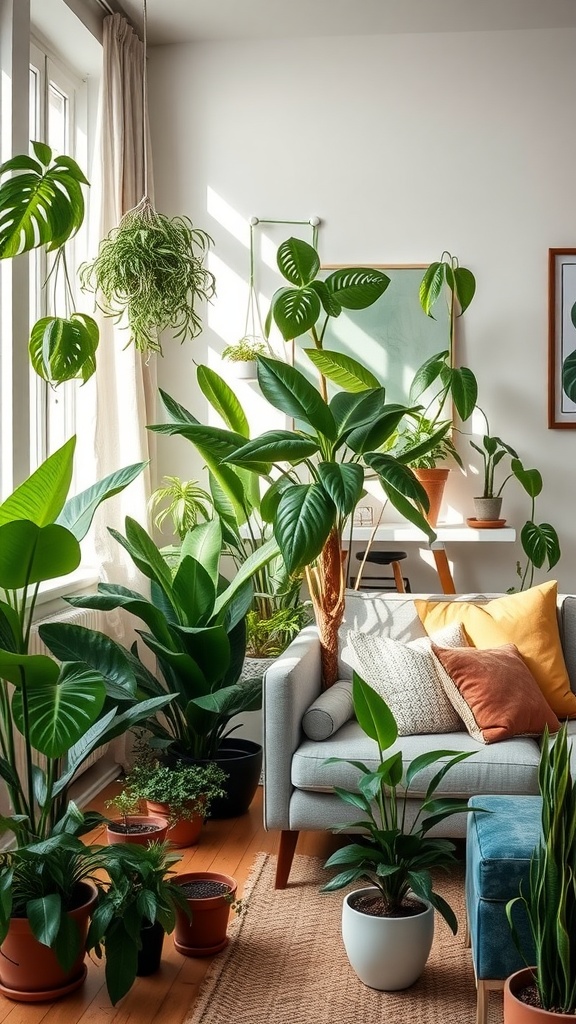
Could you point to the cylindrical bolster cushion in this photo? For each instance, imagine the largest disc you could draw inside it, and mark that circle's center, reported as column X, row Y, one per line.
column 329, row 711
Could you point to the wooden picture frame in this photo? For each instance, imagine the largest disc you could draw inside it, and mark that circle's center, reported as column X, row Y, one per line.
column 561, row 335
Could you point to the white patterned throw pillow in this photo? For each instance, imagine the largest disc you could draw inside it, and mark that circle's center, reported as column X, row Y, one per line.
column 408, row 677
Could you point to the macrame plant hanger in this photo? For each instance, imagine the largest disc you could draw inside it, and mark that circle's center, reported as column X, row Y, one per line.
column 145, row 207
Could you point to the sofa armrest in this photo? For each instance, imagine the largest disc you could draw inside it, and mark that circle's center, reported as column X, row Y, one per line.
column 290, row 686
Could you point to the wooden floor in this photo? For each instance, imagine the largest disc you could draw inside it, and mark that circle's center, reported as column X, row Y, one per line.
column 229, row 846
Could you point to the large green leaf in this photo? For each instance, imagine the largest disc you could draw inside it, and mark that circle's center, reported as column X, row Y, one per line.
column 357, row 287
column 426, row 375
column 64, row 349
column 304, row 518
column 61, row 712
column 531, row 479
column 223, row 400
column 343, row 370
column 275, row 446
column 289, row 391
column 69, row 642
column 373, row 714
column 78, row 511
column 32, row 668
column 121, row 961
column 41, row 497
column 350, row 410
column 295, row 311
column 194, row 592
column 464, row 389
column 271, row 498
column 260, row 557
column 540, row 542
column 464, row 287
column 402, row 488
column 144, row 553
column 343, row 482
column 31, row 554
column 42, row 204
column 431, row 286
column 204, row 543
column 297, row 261
column 44, row 915
column 373, row 433
column 569, row 376
column 111, row 596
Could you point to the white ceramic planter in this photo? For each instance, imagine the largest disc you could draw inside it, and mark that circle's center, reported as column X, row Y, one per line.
column 387, row 953
column 244, row 369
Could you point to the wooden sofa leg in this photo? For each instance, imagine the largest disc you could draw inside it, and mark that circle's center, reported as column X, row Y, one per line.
column 286, row 850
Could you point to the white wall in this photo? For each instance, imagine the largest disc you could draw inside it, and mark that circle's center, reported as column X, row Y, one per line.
column 404, row 145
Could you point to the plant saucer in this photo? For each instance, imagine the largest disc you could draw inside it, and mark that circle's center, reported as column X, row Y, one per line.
column 486, row 524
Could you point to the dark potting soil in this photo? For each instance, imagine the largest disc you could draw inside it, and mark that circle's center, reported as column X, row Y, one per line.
column 529, row 995
column 375, row 906
column 135, row 828
column 203, row 889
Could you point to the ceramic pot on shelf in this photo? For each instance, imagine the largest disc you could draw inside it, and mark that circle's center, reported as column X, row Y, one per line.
column 488, row 508
column 209, row 895
column 387, row 953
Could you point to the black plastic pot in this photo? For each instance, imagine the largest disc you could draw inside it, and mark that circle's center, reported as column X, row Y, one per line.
column 242, row 761
column 149, row 957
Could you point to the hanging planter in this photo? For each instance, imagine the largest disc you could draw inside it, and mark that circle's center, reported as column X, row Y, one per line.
column 149, row 273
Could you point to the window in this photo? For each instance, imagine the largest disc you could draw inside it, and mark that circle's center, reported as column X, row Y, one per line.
column 57, row 117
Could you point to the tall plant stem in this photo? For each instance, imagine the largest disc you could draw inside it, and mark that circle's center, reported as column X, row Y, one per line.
column 326, row 586
column 322, row 379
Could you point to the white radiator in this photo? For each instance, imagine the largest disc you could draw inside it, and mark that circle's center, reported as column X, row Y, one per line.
column 91, row 619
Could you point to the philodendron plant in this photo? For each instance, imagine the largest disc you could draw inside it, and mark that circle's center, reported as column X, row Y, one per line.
column 56, row 712
column 315, row 470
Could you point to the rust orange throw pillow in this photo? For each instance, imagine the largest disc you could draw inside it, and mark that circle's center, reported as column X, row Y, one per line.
column 528, row 620
column 494, row 693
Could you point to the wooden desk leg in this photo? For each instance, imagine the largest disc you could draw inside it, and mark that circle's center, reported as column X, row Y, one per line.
column 443, row 570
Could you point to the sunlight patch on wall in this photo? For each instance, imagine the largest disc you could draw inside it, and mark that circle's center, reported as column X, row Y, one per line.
column 227, row 217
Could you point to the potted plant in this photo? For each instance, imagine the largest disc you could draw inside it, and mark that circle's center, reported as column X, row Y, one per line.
column 210, row 896
column 546, row 991
column 388, row 927
column 488, row 506
column 195, row 627
column 135, row 909
column 61, row 711
column 440, row 382
column 323, row 459
column 242, row 356
column 133, row 827
column 181, row 793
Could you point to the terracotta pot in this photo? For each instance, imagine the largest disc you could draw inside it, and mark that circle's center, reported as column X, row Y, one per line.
column 185, row 831
column 205, row 933
column 29, row 971
column 433, row 481
column 517, row 1012
column 139, row 838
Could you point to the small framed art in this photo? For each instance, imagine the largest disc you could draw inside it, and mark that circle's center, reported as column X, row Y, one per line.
column 562, row 338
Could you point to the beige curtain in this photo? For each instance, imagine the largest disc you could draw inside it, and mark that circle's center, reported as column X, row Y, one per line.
column 125, row 384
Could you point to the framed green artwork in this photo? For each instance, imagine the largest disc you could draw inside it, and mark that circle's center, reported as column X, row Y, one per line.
column 393, row 337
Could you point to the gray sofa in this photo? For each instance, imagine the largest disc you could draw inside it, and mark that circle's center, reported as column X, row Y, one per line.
column 298, row 791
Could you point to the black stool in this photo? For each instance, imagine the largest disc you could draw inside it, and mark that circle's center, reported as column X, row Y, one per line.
column 393, row 558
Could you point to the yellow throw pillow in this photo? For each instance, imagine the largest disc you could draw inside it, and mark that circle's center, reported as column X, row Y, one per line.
column 528, row 620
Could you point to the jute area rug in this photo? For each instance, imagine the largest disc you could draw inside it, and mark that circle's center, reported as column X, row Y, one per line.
column 285, row 963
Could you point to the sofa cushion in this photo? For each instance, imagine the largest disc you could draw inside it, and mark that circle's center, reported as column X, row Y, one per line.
column 527, row 619
column 407, row 676
column 329, row 711
column 388, row 615
column 508, row 767
column 495, row 693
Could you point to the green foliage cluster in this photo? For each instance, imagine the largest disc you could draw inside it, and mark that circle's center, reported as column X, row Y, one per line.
column 139, row 893
column 245, row 350
column 391, row 857
column 150, row 270
column 267, row 638
column 187, row 502
column 549, row 898
column 41, row 205
column 187, row 789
